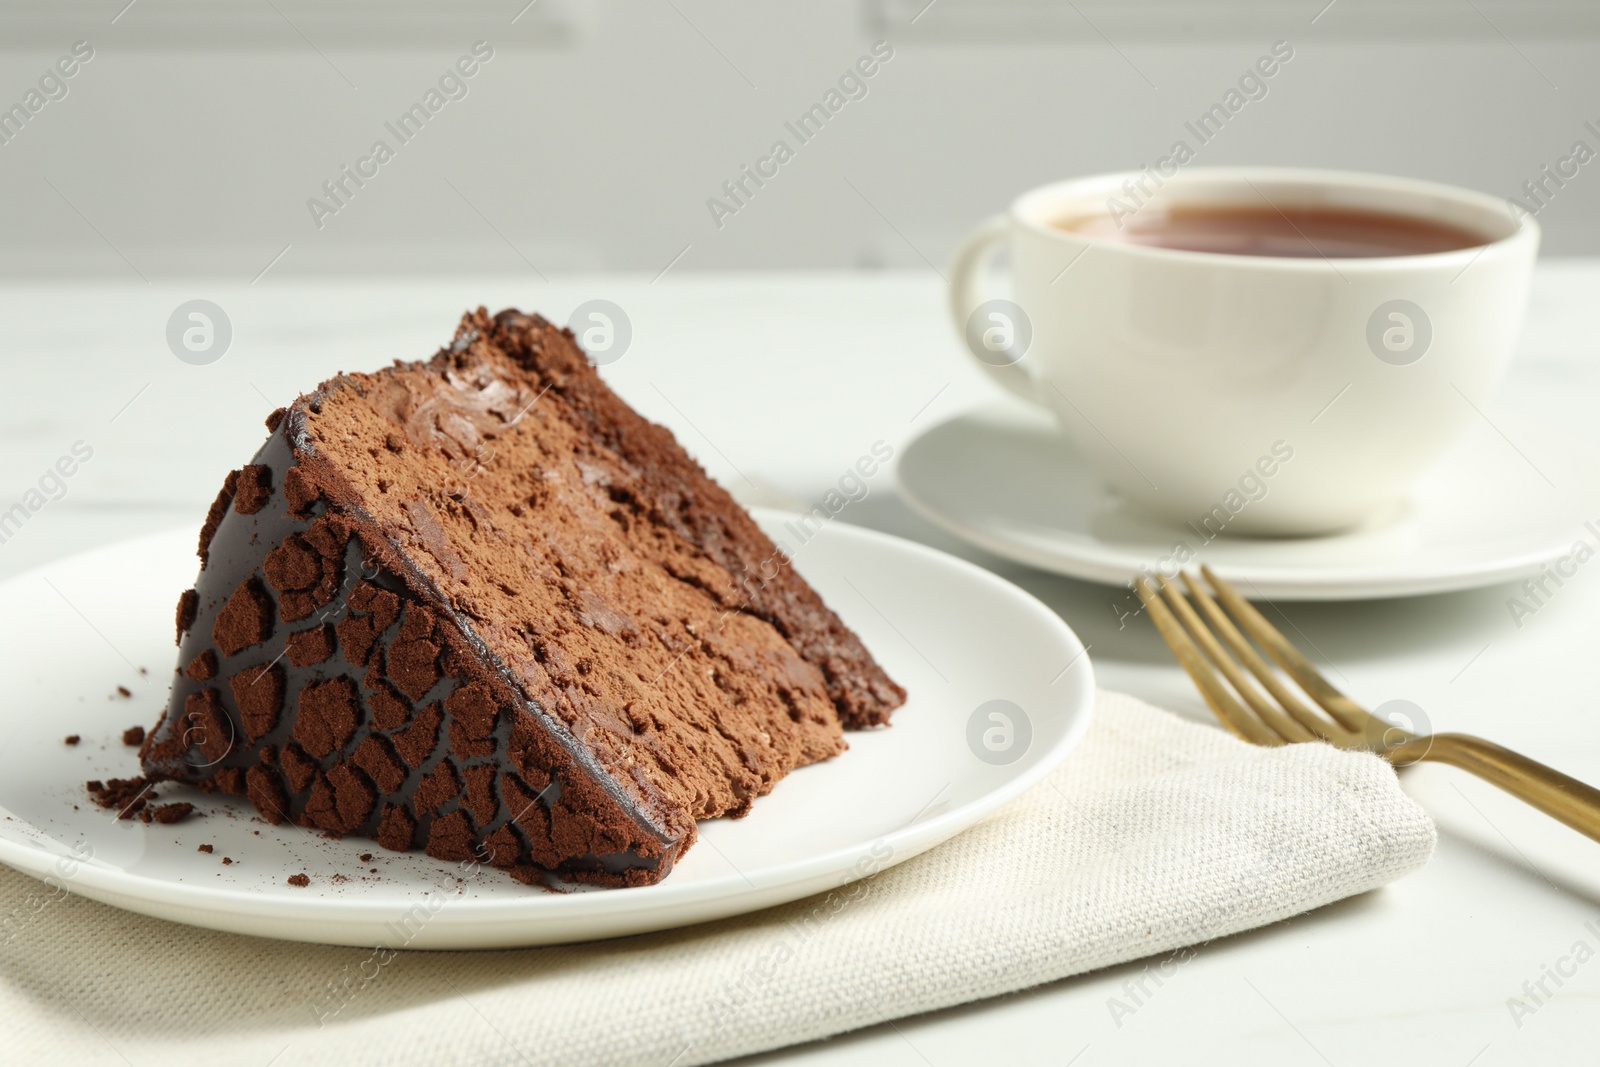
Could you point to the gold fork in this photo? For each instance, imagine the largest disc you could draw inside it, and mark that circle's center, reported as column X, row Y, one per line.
column 1265, row 712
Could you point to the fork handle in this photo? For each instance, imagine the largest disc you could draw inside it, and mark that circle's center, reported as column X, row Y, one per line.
column 1555, row 794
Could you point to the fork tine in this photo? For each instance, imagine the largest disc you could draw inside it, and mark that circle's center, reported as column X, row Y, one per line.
column 1346, row 712
column 1233, row 714
column 1269, row 714
column 1301, row 723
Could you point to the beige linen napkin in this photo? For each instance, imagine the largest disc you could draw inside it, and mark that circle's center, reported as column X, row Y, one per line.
column 1156, row 833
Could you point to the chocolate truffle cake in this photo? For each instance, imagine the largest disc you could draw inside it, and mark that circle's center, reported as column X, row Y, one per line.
column 481, row 607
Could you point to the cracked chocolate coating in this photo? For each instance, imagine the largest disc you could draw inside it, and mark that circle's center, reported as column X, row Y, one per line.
column 335, row 764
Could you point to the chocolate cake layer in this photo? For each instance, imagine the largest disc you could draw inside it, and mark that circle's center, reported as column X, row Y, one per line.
column 480, row 606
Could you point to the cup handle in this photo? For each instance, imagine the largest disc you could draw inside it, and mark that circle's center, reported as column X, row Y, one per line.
column 966, row 295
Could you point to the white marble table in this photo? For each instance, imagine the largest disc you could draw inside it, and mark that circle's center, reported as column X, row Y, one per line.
column 778, row 383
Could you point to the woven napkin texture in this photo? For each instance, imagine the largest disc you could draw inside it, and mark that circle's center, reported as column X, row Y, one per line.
column 1156, row 833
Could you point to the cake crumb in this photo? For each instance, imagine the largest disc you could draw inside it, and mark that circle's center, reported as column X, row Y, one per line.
column 133, row 736
column 71, row 739
column 206, row 848
column 299, row 880
column 167, row 814
column 126, row 794
column 124, row 691
column 366, row 857
column 226, row 860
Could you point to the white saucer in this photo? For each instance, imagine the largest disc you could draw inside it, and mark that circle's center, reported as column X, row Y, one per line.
column 1003, row 479
column 953, row 634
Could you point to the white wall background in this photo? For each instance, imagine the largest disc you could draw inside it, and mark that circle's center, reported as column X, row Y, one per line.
column 191, row 142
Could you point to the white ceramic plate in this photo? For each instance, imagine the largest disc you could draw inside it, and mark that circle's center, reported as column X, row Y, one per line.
column 953, row 634
column 1503, row 503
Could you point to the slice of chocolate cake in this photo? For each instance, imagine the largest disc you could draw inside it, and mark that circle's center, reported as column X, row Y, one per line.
column 479, row 606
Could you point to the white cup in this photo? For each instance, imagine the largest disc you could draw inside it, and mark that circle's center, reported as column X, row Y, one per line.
column 1251, row 394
